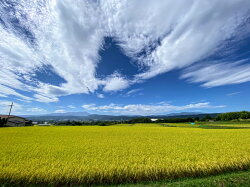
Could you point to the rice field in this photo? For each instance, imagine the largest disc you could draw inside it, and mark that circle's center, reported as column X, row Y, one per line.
column 118, row 154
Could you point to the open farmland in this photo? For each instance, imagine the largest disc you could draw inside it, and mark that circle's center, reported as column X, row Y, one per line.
column 118, row 154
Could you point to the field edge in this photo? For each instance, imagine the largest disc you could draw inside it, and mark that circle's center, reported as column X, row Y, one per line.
column 233, row 179
column 236, row 178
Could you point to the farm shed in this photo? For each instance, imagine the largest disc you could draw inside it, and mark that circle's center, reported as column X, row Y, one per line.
column 14, row 121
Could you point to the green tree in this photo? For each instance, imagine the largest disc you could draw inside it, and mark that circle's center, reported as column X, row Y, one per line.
column 233, row 116
column 3, row 122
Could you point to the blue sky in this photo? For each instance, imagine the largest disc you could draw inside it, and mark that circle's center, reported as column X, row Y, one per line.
column 124, row 57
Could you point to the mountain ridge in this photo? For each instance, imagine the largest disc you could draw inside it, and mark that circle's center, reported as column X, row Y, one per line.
column 84, row 116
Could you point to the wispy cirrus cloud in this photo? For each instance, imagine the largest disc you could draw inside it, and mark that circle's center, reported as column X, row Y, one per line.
column 159, row 36
column 233, row 93
column 217, row 74
column 60, row 111
column 19, row 108
column 101, row 96
column 145, row 109
column 134, row 91
column 36, row 110
column 71, row 106
column 4, row 91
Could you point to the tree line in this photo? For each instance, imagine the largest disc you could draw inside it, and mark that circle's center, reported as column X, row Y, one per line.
column 3, row 122
column 233, row 116
column 243, row 115
column 220, row 117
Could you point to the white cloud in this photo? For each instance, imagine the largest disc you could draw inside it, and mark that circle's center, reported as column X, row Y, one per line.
column 36, row 110
column 218, row 74
column 46, row 99
column 71, row 106
column 146, row 109
column 197, row 33
column 4, row 90
column 233, row 93
column 101, row 96
column 71, row 51
column 3, row 95
column 18, row 108
column 68, row 37
column 5, row 107
column 115, row 82
column 133, row 92
column 60, row 111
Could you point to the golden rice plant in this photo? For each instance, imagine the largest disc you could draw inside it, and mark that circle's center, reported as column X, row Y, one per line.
column 118, row 154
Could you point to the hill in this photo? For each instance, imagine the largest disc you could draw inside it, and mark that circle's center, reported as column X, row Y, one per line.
column 84, row 116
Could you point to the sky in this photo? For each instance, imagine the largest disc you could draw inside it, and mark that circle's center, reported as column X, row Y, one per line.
column 123, row 57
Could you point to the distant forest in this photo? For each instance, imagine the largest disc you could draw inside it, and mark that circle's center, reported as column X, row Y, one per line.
column 243, row 115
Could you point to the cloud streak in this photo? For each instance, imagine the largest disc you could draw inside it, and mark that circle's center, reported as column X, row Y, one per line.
column 143, row 109
column 218, row 74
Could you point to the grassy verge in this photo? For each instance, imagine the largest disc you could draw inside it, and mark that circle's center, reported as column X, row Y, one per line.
column 234, row 179
column 241, row 178
column 208, row 125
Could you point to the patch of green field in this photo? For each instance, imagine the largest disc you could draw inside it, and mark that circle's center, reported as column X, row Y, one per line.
column 118, row 154
column 141, row 125
column 159, row 125
column 233, row 179
column 234, row 125
column 189, row 125
column 211, row 125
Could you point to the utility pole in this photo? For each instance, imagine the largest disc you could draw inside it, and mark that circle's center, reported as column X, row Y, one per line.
column 10, row 111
